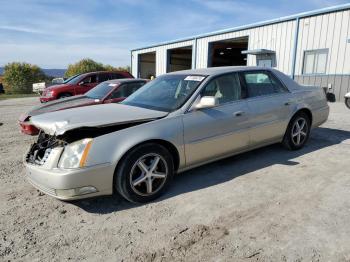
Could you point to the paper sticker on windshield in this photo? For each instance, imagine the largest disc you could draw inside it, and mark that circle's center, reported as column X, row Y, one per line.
column 113, row 85
column 194, row 78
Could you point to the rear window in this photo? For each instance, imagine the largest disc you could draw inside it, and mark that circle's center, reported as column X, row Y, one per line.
column 117, row 76
column 262, row 83
column 103, row 77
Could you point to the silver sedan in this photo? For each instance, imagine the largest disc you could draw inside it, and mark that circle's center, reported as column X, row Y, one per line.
column 174, row 123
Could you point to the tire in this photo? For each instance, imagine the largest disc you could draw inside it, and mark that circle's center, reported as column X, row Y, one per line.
column 64, row 95
column 131, row 180
column 347, row 102
column 294, row 138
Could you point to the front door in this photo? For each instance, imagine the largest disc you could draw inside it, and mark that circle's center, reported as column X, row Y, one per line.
column 86, row 84
column 214, row 132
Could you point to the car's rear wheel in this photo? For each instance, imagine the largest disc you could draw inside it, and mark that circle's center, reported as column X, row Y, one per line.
column 347, row 102
column 298, row 132
column 64, row 95
column 144, row 173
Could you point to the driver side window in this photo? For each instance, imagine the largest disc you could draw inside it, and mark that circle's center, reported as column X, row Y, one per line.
column 225, row 88
column 126, row 89
column 90, row 79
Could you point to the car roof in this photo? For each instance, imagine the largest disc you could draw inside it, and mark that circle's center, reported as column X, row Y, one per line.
column 125, row 80
column 218, row 70
column 102, row 72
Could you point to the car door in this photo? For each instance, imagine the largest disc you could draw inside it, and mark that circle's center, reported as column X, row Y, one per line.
column 269, row 103
column 86, row 84
column 214, row 132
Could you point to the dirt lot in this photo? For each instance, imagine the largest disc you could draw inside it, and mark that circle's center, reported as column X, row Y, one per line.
column 266, row 205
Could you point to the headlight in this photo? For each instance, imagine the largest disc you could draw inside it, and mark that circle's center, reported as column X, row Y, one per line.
column 48, row 93
column 75, row 154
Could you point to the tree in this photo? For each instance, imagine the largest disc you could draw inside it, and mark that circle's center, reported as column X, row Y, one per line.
column 88, row 65
column 19, row 77
column 83, row 66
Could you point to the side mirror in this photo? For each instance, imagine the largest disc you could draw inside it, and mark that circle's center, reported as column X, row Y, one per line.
column 206, row 102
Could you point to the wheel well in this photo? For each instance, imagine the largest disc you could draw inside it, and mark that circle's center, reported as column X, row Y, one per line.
column 307, row 112
column 169, row 146
column 64, row 93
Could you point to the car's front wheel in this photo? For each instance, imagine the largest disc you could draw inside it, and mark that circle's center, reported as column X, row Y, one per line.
column 347, row 102
column 298, row 132
column 144, row 173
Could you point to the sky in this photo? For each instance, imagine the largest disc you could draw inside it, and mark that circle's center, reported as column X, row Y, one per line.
column 55, row 33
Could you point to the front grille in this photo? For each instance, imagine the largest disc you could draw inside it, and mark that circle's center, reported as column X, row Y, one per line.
column 41, row 160
column 40, row 151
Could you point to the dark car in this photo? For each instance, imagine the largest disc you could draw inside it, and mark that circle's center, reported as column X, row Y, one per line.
column 2, row 91
column 112, row 91
column 80, row 84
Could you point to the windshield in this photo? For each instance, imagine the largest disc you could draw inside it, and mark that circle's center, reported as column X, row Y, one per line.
column 72, row 79
column 101, row 90
column 165, row 93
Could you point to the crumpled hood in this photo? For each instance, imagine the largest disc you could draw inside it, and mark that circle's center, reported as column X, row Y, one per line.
column 59, row 122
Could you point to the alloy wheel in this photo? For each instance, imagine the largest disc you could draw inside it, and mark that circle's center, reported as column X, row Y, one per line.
column 148, row 174
column 347, row 102
column 299, row 131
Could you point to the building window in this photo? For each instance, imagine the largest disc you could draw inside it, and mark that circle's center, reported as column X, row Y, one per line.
column 315, row 61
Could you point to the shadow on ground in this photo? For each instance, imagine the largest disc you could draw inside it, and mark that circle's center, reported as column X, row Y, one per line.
column 224, row 170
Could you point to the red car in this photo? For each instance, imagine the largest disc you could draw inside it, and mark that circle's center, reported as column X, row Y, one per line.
column 80, row 84
column 112, row 91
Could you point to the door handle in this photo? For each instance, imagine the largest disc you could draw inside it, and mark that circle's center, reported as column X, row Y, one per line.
column 238, row 113
column 288, row 103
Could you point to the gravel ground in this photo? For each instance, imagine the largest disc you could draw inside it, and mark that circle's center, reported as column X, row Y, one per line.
column 266, row 205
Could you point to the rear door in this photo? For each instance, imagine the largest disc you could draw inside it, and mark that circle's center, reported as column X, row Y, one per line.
column 214, row 132
column 269, row 103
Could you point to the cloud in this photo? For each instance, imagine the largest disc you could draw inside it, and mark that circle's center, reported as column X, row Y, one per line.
column 58, row 32
column 52, row 37
column 54, row 56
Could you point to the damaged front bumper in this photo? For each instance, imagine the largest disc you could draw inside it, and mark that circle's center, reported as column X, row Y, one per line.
column 72, row 184
column 67, row 184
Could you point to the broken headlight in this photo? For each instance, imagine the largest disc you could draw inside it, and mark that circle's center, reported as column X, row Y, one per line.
column 75, row 154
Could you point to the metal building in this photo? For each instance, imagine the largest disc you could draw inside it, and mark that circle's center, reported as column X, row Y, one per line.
column 312, row 47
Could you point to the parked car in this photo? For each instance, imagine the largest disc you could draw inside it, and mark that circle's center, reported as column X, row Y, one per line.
column 2, row 91
column 40, row 87
column 176, row 122
column 79, row 84
column 112, row 91
column 347, row 100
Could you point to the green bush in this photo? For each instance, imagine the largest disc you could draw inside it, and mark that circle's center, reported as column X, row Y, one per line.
column 19, row 77
column 88, row 65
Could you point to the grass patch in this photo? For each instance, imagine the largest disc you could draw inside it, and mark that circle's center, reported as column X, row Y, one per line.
column 9, row 96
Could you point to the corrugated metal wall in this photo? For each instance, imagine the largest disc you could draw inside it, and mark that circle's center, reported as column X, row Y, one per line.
column 326, row 31
column 330, row 30
column 278, row 37
column 161, row 56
